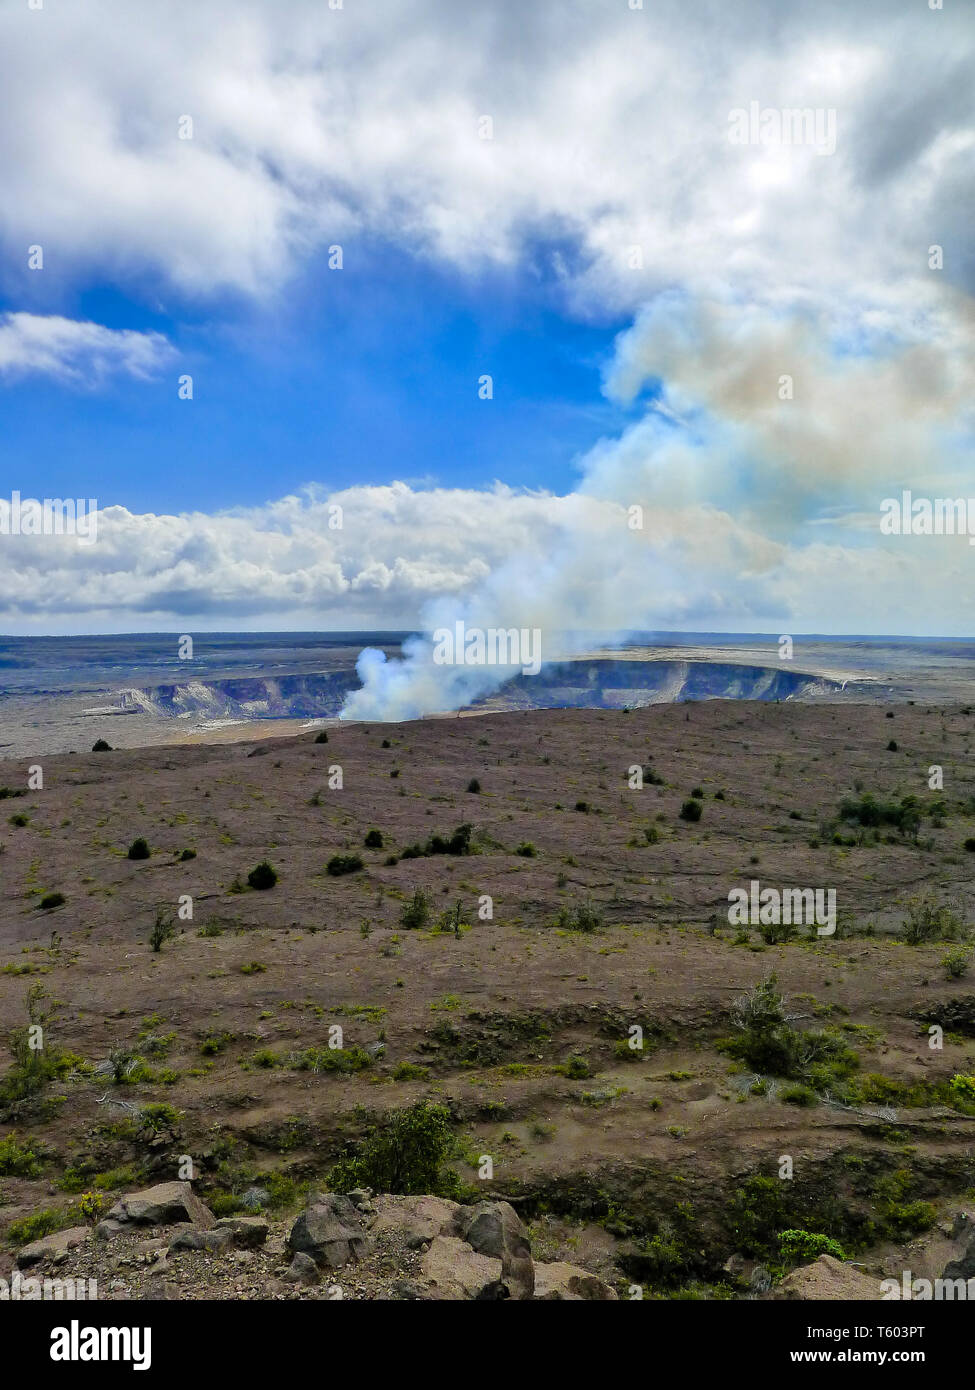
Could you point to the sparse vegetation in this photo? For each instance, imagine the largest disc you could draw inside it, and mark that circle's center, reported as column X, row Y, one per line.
column 340, row 864
column 262, row 876
column 405, row 1153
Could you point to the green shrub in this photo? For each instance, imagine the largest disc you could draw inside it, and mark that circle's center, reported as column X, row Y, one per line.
column 799, row 1095
column 225, row 1203
column 577, row 1068
column 33, row 1067
column 409, row 1071
column 527, row 850
column 406, row 1153
column 340, row 864
column 38, row 1225
column 52, row 900
column 586, row 917
column 801, row 1247
column 100, row 746
column 262, row 876
column 927, row 920
column 963, row 1087
column 374, row 839
column 321, row 737
column 473, row 785
column 138, row 849
column 955, row 963
column 341, row 1059
column 768, row 1043
column 163, row 929
column 18, row 1160
column 416, row 914
column 691, row 810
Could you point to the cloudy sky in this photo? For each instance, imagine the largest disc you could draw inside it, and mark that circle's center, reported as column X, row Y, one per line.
column 338, row 220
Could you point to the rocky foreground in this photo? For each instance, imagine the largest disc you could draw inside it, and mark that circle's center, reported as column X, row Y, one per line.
column 164, row 1243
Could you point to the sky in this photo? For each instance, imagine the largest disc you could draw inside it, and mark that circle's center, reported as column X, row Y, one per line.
column 716, row 342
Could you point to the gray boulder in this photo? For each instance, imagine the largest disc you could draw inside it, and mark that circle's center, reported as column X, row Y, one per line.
column 329, row 1232
column 495, row 1229
column 248, row 1232
column 52, row 1247
column 163, row 1205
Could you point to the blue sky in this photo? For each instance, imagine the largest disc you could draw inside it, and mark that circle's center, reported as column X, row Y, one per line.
column 353, row 375
column 713, row 359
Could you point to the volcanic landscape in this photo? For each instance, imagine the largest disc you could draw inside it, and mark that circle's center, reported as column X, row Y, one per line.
column 560, row 911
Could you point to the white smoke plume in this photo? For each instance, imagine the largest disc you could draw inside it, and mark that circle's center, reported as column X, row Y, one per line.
column 734, row 483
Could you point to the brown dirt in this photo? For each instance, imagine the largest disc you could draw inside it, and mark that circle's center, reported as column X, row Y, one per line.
column 518, row 995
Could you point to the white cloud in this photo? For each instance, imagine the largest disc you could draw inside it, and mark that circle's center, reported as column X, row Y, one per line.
column 610, row 127
column 499, row 558
column 80, row 353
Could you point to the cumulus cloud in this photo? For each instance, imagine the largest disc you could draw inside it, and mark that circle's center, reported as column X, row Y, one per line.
column 610, row 132
column 610, row 167
column 410, row 559
column 77, row 352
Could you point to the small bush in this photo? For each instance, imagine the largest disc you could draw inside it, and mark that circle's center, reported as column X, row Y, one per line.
column 416, row 914
column 138, row 849
column 955, row 963
column 187, row 854
column 892, row 746
column 927, row 920
column 52, row 900
column 100, row 746
column 801, row 1247
column 163, row 929
column 18, row 1160
column 262, row 876
column 406, row 1153
column 963, row 1088
column 577, row 1068
column 19, row 819
column 409, row 1071
column 799, row 1095
column 691, row 810
column 39, row 1224
column 586, row 917
column 321, row 737
column 340, row 864
column 374, row 839
column 473, row 785
column 527, row 850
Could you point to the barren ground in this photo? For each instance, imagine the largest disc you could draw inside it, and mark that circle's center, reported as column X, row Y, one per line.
column 600, row 1163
